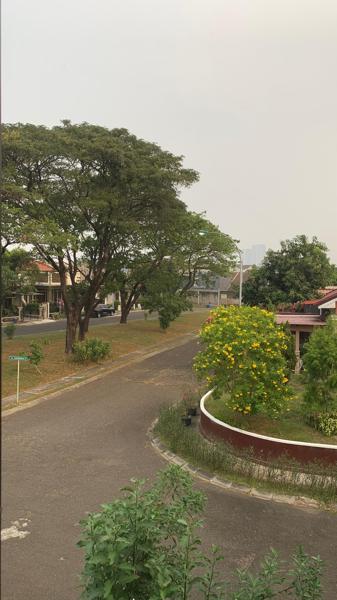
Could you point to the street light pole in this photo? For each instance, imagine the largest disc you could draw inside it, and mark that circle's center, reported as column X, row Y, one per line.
column 241, row 277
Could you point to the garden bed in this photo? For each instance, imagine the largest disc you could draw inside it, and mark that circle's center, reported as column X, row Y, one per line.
column 290, row 426
column 282, row 475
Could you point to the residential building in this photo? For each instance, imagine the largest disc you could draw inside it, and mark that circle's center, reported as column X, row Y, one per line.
column 210, row 289
column 302, row 324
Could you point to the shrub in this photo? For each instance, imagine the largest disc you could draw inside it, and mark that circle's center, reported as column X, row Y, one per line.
column 9, row 312
column 169, row 307
column 320, row 368
column 31, row 309
column 327, row 423
column 54, row 307
column 36, row 354
column 324, row 422
column 9, row 330
column 245, row 357
column 92, row 349
column 145, row 546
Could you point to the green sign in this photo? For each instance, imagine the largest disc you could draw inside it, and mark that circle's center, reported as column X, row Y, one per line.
column 18, row 357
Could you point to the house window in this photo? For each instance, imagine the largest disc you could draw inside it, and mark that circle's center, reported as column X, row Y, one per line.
column 56, row 296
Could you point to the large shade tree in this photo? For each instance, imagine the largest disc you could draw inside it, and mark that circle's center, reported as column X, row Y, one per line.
column 80, row 190
column 163, row 260
column 295, row 272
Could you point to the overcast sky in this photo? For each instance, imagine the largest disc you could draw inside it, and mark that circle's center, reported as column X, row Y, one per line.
column 246, row 90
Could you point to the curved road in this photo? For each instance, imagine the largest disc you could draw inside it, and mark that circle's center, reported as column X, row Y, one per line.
column 67, row 455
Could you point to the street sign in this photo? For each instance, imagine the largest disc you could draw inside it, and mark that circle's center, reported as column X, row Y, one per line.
column 18, row 358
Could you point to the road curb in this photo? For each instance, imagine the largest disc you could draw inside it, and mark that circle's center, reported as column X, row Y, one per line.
column 136, row 357
column 300, row 502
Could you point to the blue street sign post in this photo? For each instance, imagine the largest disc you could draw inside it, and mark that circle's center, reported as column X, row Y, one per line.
column 18, row 359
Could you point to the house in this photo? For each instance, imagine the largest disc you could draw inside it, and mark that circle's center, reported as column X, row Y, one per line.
column 321, row 306
column 302, row 324
column 48, row 287
column 47, row 293
column 214, row 289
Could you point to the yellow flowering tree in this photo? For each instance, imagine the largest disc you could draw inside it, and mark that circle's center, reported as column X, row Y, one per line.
column 244, row 358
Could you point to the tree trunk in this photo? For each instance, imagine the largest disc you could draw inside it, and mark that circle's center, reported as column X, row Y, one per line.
column 72, row 321
column 124, row 307
column 84, row 318
column 83, row 323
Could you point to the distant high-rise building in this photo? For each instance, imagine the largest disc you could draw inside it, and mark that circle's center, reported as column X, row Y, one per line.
column 254, row 255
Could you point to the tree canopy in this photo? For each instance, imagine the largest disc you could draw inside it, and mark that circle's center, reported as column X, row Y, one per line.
column 80, row 190
column 295, row 272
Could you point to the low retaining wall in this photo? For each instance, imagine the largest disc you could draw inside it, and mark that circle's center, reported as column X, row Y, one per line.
column 263, row 445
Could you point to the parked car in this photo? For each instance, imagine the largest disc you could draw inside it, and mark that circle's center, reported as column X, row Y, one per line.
column 103, row 310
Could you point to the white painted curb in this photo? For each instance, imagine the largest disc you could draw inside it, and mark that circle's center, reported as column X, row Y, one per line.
column 257, row 435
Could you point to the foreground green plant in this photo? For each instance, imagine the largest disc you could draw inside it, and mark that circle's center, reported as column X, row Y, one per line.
column 145, row 546
column 223, row 459
column 244, row 356
column 91, row 350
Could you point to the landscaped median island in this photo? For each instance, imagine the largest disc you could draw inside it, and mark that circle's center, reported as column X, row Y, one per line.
column 123, row 339
column 258, row 421
column 291, row 425
column 248, row 360
column 281, row 475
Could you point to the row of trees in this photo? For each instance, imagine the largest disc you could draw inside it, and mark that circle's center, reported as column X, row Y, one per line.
column 103, row 208
column 294, row 273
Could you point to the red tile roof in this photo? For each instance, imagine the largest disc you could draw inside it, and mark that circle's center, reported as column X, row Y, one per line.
column 43, row 267
column 298, row 319
column 318, row 301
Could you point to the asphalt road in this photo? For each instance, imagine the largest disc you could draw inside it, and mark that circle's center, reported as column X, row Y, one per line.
column 67, row 455
column 54, row 326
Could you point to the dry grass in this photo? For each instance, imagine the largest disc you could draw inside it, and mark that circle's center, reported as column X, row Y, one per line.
column 123, row 339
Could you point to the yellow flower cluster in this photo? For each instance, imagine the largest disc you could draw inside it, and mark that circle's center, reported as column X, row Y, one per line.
column 233, row 337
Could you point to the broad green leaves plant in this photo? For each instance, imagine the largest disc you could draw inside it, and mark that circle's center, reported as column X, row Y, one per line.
column 244, row 357
column 92, row 349
column 145, row 546
column 320, row 368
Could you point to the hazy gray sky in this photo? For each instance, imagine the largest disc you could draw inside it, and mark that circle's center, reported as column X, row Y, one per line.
column 245, row 89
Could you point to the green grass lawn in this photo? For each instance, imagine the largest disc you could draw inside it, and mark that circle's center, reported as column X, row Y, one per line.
column 291, row 425
column 136, row 335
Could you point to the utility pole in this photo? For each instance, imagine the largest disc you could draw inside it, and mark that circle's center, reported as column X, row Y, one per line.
column 241, row 277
